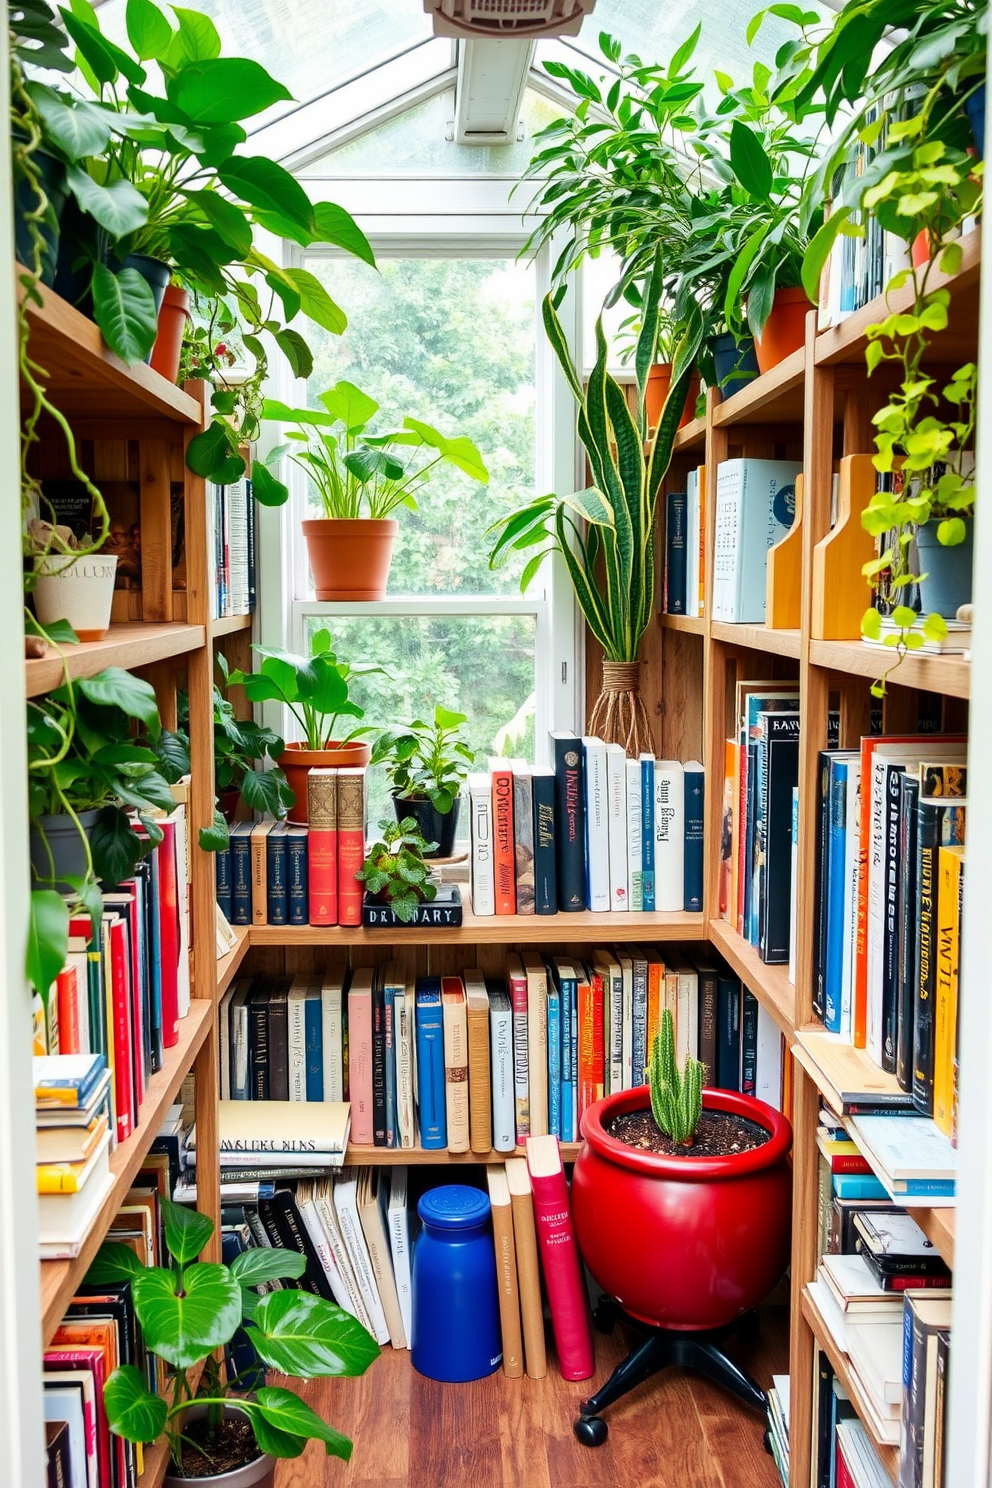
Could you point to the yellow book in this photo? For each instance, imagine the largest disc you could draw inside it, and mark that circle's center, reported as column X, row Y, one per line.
column 259, row 873
column 455, row 1024
column 950, row 871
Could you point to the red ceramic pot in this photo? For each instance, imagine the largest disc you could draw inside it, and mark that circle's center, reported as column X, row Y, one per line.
column 683, row 1242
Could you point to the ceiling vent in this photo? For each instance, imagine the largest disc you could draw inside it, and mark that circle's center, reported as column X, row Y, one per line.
column 508, row 19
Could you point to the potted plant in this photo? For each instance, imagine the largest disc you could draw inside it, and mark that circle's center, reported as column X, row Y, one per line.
column 315, row 690
column 606, row 533
column 219, row 1436
column 427, row 765
column 666, row 1173
column 69, row 580
column 360, row 479
column 394, row 871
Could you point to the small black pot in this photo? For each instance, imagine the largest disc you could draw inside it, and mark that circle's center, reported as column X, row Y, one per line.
column 82, row 243
column 54, row 184
column 67, row 847
column 735, row 361
column 431, row 825
column 155, row 273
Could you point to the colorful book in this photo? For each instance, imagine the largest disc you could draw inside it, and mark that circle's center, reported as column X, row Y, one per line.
column 322, row 844
column 360, row 1090
column 560, row 1258
column 479, row 1079
column 570, row 832
column 431, row 1099
column 455, row 1028
column 597, row 853
column 545, row 867
column 504, row 853
column 523, row 838
column 351, row 844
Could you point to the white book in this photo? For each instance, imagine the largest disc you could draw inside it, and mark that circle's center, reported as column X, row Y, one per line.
column 501, row 1060
column 346, row 1205
column 692, row 542
column 64, row 1402
column 403, row 1025
column 768, row 1065
column 687, row 1017
column 755, row 506
column 597, row 824
column 314, row 1226
column 612, row 1019
column 332, row 1033
column 398, row 1222
column 224, row 1040
column 64, row 1220
column 182, row 896
column 875, row 1350
column 635, row 893
column 669, row 835
column 373, row 1195
column 480, row 797
column 905, row 1150
column 627, row 994
column 352, row 1300
column 860, row 1455
column 237, row 1018
column 852, row 868
column 296, row 1021
column 616, row 805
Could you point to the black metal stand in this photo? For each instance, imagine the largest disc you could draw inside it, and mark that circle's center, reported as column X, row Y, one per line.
column 662, row 1348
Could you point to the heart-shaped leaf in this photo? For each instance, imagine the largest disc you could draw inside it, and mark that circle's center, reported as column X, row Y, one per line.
column 211, row 454
column 119, row 207
column 298, row 1333
column 334, row 225
column 254, row 1266
column 316, row 302
column 223, row 90
column 112, row 1263
column 114, row 687
column 264, row 184
column 115, row 847
column 285, row 1410
column 124, row 309
column 148, row 31
column 182, row 1323
column 186, row 1231
column 266, row 489
column 132, row 1410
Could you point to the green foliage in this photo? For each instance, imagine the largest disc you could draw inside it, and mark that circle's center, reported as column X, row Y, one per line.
column 394, row 868
column 676, row 1097
column 426, row 761
column 188, row 1310
column 314, row 688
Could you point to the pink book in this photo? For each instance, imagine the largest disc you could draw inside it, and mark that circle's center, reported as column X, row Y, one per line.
column 517, row 979
column 560, row 1259
column 360, row 1056
column 89, row 1358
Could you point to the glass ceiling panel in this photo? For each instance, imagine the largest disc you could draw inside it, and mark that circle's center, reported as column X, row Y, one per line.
column 309, row 45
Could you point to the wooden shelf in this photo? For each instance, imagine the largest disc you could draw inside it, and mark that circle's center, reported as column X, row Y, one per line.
column 757, row 638
column 132, row 644
column 958, row 343
column 227, row 966
column 59, row 1279
column 770, row 984
column 950, row 675
column 416, row 1156
column 565, row 929
column 939, row 1226
column 230, row 625
column 688, row 624
column 774, row 398
column 85, row 379
column 888, row 1454
column 692, row 438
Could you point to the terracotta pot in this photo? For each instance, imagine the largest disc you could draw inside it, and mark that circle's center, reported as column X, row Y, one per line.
column 350, row 559
column 683, row 1242
column 260, row 1473
column 172, row 318
column 919, row 250
column 659, row 382
column 785, row 328
column 298, row 761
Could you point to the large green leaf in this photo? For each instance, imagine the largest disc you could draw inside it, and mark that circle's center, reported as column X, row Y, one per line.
column 592, row 506
column 287, row 1412
column 264, row 184
column 254, row 1266
column 273, row 1441
column 316, row 303
column 460, row 452
column 334, row 225
column 186, row 1231
column 263, row 790
column 78, row 129
column 124, row 309
column 225, row 217
column 347, row 404
column 116, row 688
column 296, row 351
column 116, row 848
column 103, row 58
column 223, row 90
column 112, row 1263
column 48, row 939
column 183, row 1318
column 210, row 454
column 322, row 686
column 132, row 1410
column 267, row 490
column 119, row 207
column 148, row 31
column 300, row 1334
column 197, row 39
column 750, row 164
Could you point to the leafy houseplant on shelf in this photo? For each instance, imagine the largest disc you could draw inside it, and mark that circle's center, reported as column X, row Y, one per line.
column 427, row 765
column 606, row 533
column 360, row 479
column 217, row 1436
column 394, row 871
column 69, row 581
column 315, row 690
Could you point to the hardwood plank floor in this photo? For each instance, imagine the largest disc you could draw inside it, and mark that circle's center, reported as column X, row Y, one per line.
column 676, row 1431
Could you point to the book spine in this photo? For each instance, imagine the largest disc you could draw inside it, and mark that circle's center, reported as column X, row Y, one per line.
column 669, row 835
column 351, row 844
column 893, row 870
column 277, row 906
column 403, row 1020
column 390, row 1060
column 647, row 764
column 378, row 1062
column 501, row 1043
column 728, row 1033
column 570, row 824
column 692, row 894
column 554, row 1062
column 566, row 1002
column 259, row 873
column 545, row 870
column 779, row 774
column 586, row 1075
column 928, row 824
column 616, row 806
column 950, row 869
column 297, row 1044
column 222, row 870
column 360, row 1066
column 504, row 861
column 597, row 853
column 562, row 1275
column 124, row 1098
column 521, row 1069
column 835, row 941
column 483, row 878
column 529, row 1284
column 480, row 1092
column 822, row 881
column 639, row 1023
column 707, row 1023
column 675, row 553
column 297, row 877
column 537, row 1047
column 909, row 796
column 430, row 1072
column 322, row 846
column 634, row 834
column 170, row 881
column 613, row 1018
column 240, row 878
column 749, row 1043
column 332, row 1042
column 523, row 843
column 456, row 1091
column 313, row 1049
column 509, row 1297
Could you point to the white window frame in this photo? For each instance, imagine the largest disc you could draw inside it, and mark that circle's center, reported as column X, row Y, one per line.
column 486, row 226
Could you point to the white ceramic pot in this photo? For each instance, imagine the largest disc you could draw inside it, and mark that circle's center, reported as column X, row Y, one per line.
column 81, row 592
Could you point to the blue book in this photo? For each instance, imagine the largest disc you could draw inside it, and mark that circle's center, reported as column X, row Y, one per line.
column 693, row 855
column 240, row 837
column 314, row 1042
column 430, row 1065
column 924, row 1188
column 647, row 831
column 275, row 858
column 570, row 821
column 554, row 1060
column 563, row 978
column 297, row 877
column 837, row 946
column 223, row 871
column 675, row 552
column 728, row 1032
column 545, row 868
column 858, row 1186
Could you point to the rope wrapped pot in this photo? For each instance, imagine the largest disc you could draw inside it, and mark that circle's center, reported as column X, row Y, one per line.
column 619, row 715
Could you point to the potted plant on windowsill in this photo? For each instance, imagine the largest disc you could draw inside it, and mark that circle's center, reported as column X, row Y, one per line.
column 218, row 1436
column 315, row 690
column 427, row 765
column 360, row 479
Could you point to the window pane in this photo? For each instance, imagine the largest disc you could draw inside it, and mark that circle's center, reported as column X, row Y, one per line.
column 481, row 665
column 450, row 342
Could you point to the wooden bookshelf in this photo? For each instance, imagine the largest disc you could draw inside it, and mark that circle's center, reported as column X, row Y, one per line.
column 418, row 1157
column 770, row 984
column 938, row 1225
column 230, row 625
column 775, row 398
column 586, row 928
column 949, row 675
column 758, row 638
column 888, row 1454
column 691, row 437
column 59, row 1279
column 686, row 624
column 227, row 966
column 129, row 645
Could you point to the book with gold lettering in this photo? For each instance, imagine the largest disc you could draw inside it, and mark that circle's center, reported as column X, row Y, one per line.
column 456, row 1097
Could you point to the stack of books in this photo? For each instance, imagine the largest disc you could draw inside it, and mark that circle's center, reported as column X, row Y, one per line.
column 73, row 1139
column 596, row 831
column 478, row 1063
column 231, row 535
column 685, row 547
column 276, row 1137
column 857, row 1464
column 866, row 1326
column 778, row 1424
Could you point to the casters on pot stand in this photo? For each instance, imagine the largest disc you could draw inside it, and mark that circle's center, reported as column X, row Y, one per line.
column 591, row 1431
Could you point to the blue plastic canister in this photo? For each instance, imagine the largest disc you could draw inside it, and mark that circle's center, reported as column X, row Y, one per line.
column 456, row 1332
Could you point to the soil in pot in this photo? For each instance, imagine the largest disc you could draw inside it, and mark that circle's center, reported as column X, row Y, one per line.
column 233, row 1446
column 719, row 1134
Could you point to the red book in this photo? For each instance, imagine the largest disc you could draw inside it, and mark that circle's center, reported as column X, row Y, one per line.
column 120, row 992
column 598, row 1035
column 504, row 851
column 170, row 932
column 560, row 1259
column 351, row 845
column 67, row 993
column 517, row 981
column 849, row 1162
column 69, row 1357
column 125, row 905
column 844, row 1479
column 322, row 846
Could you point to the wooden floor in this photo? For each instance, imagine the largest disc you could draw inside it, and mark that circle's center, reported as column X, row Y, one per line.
column 676, row 1431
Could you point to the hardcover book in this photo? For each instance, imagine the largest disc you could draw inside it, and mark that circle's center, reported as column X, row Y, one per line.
column 480, row 796
column 669, row 835
column 322, row 842
column 692, row 896
column 479, row 1080
column 560, row 1258
column 456, row 1092
column 430, row 1064
column 616, row 806
column 351, row 844
column 528, row 1272
column 504, row 855
column 523, row 838
column 545, row 868
column 597, row 824
column 755, row 506
column 506, row 1272
column 297, row 877
column 570, row 829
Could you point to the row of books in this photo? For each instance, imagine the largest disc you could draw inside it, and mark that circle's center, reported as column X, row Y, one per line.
column 479, row 1063
column 596, row 831
column 684, row 590
column 231, row 536
column 277, row 873
column 890, row 859
column 755, row 508
column 779, row 1402
column 760, row 818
